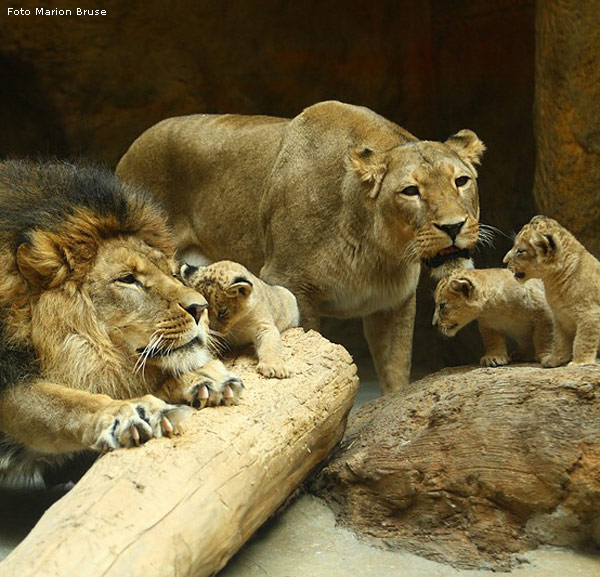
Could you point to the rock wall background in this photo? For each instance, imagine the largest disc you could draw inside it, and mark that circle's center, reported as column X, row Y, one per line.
column 88, row 86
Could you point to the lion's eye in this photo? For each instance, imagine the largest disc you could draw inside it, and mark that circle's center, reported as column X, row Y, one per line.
column 410, row 191
column 461, row 181
column 128, row 279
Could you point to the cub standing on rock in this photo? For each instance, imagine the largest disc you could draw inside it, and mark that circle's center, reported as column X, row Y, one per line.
column 246, row 310
column 503, row 308
column 544, row 249
column 338, row 204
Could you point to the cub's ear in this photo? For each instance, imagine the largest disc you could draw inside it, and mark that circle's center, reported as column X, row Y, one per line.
column 43, row 262
column 467, row 145
column 369, row 166
column 462, row 286
column 187, row 270
column 240, row 287
column 544, row 245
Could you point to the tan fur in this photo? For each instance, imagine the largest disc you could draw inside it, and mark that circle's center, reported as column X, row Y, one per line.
column 320, row 204
column 93, row 306
column 503, row 308
column 246, row 310
column 544, row 249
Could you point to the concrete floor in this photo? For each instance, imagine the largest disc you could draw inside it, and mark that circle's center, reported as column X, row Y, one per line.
column 303, row 540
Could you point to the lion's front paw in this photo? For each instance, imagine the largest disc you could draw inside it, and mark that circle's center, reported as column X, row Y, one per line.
column 494, row 360
column 131, row 423
column 273, row 370
column 552, row 361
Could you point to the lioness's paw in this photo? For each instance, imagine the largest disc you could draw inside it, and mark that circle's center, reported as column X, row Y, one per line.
column 132, row 423
column 494, row 360
column 211, row 392
column 273, row 370
column 551, row 361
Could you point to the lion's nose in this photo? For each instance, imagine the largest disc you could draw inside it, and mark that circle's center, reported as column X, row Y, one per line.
column 451, row 230
column 196, row 310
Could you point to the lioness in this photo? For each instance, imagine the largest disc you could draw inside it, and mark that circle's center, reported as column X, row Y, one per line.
column 545, row 249
column 503, row 307
column 246, row 310
column 92, row 320
column 338, row 204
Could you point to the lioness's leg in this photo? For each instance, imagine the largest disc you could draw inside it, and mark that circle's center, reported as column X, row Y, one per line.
column 587, row 338
column 543, row 335
column 390, row 337
column 494, row 344
column 269, row 350
column 52, row 418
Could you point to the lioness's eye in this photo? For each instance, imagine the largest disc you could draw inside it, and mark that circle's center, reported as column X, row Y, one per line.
column 128, row 279
column 461, row 181
column 410, row 191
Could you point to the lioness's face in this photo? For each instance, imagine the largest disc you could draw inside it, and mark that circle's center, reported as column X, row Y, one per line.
column 456, row 304
column 146, row 311
column 427, row 198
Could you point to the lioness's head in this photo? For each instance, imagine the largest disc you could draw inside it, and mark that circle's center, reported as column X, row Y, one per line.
column 425, row 198
column 99, row 279
column 227, row 287
column 457, row 303
column 536, row 249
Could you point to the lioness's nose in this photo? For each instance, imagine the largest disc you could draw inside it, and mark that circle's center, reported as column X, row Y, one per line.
column 451, row 230
column 195, row 309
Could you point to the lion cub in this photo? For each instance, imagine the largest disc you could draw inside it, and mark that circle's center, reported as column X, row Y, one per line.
column 245, row 309
column 571, row 275
column 503, row 308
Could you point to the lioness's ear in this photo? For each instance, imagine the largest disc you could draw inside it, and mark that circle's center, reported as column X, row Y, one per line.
column 369, row 166
column 467, row 145
column 462, row 286
column 43, row 262
column 544, row 244
column 241, row 286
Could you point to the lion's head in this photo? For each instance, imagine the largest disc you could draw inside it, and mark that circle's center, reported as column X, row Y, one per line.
column 426, row 198
column 457, row 302
column 537, row 248
column 91, row 283
column 227, row 288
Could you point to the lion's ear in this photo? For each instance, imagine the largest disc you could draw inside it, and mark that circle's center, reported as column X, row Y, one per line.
column 43, row 262
column 240, row 287
column 467, row 145
column 462, row 286
column 369, row 166
column 544, row 244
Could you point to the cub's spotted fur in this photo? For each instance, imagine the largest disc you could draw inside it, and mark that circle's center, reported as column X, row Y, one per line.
column 503, row 308
column 245, row 310
column 544, row 249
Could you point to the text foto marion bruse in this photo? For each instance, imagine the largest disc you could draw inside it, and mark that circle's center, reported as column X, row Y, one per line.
column 55, row 12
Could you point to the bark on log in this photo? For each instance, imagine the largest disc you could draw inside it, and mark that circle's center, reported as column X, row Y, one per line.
column 184, row 506
column 567, row 116
column 470, row 466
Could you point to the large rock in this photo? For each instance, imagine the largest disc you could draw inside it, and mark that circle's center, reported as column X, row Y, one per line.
column 472, row 466
column 567, row 116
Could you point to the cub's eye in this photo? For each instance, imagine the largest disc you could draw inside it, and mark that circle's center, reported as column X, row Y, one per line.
column 128, row 279
column 520, row 251
column 461, row 181
column 410, row 191
column 442, row 306
column 222, row 313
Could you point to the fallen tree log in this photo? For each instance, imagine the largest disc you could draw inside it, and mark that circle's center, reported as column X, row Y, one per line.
column 471, row 466
column 184, row 506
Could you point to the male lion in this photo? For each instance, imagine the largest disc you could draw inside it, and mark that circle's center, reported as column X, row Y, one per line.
column 92, row 320
column 338, row 204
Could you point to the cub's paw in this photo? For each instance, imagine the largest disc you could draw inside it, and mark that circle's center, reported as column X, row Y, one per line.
column 552, row 361
column 494, row 360
column 276, row 370
column 582, row 363
column 132, row 423
column 211, row 390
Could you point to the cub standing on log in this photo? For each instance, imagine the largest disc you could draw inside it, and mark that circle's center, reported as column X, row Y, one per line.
column 245, row 310
column 338, row 204
column 502, row 306
column 544, row 249
column 92, row 321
